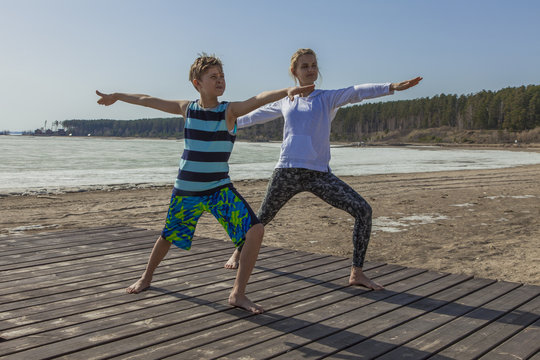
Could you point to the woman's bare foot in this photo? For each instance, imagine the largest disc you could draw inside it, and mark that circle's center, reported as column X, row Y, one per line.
column 233, row 261
column 243, row 302
column 359, row 278
column 138, row 286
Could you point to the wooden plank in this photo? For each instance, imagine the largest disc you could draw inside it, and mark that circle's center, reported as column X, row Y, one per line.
column 523, row 345
column 60, row 240
column 360, row 340
column 278, row 309
column 71, row 245
column 321, row 322
column 40, row 291
column 206, row 274
column 79, row 333
column 81, row 276
column 192, row 305
column 393, row 337
column 66, row 255
column 63, row 298
column 496, row 333
column 138, row 254
column 298, row 342
column 212, row 320
column 167, row 274
column 462, row 327
column 95, row 300
column 122, row 263
column 113, row 242
column 112, row 258
column 23, row 241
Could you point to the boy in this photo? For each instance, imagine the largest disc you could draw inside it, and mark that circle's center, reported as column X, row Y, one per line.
column 203, row 183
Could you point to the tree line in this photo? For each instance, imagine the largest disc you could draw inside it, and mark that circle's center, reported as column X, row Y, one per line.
column 155, row 127
column 512, row 109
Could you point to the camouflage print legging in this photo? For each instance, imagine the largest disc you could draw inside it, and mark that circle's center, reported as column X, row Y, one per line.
column 287, row 182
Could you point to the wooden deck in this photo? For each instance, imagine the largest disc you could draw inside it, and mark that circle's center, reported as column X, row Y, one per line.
column 62, row 296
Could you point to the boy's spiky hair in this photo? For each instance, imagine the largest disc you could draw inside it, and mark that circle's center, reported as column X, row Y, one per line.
column 201, row 64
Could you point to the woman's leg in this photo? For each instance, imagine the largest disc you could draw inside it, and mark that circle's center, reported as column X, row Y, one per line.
column 282, row 186
column 337, row 193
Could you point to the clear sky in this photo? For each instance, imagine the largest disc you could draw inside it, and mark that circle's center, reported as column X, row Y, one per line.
column 54, row 54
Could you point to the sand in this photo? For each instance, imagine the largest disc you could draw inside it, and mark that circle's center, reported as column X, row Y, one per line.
column 478, row 222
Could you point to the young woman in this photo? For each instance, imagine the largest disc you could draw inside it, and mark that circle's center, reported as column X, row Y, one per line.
column 305, row 153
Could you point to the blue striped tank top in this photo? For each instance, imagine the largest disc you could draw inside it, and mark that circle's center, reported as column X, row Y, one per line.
column 208, row 144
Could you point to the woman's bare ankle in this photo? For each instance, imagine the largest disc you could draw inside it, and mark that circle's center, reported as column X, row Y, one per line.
column 359, row 278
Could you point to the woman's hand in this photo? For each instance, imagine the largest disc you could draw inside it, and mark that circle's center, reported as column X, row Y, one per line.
column 404, row 85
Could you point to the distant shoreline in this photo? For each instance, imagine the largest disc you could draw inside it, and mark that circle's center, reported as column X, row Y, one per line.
column 490, row 146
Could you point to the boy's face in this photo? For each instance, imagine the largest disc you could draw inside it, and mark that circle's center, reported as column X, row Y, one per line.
column 212, row 82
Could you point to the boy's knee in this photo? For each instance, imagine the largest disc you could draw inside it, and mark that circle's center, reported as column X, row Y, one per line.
column 161, row 241
column 256, row 230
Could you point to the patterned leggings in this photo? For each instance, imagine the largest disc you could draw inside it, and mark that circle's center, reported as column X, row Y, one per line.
column 287, row 182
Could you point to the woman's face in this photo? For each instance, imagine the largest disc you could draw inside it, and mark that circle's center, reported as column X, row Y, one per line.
column 306, row 70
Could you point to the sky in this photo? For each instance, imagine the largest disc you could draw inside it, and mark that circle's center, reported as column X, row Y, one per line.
column 54, row 54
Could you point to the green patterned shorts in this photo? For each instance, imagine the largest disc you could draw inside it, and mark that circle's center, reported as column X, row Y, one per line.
column 227, row 206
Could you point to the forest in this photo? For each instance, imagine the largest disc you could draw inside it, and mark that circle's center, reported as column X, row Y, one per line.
column 154, row 128
column 510, row 109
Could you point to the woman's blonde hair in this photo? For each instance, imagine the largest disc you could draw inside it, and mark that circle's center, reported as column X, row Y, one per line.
column 296, row 56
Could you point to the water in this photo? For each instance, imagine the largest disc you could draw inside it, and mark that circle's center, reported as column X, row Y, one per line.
column 50, row 164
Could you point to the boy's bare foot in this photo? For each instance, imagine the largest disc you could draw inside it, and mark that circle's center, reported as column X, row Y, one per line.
column 138, row 286
column 233, row 261
column 243, row 302
column 359, row 278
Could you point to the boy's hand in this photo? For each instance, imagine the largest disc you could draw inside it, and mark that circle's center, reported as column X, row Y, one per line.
column 404, row 85
column 299, row 90
column 106, row 99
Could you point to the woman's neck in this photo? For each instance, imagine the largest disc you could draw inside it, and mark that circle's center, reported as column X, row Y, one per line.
column 305, row 84
column 307, row 93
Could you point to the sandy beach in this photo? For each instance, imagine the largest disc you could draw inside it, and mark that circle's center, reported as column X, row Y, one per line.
column 479, row 222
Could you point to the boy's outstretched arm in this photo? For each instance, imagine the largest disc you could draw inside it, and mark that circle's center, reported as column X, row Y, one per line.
column 171, row 106
column 239, row 108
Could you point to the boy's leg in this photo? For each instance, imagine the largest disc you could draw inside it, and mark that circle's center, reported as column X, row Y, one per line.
column 182, row 217
column 234, row 213
column 248, row 257
column 161, row 247
column 337, row 193
column 282, row 186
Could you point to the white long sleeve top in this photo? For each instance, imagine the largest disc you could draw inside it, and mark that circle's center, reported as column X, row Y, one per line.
column 306, row 133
